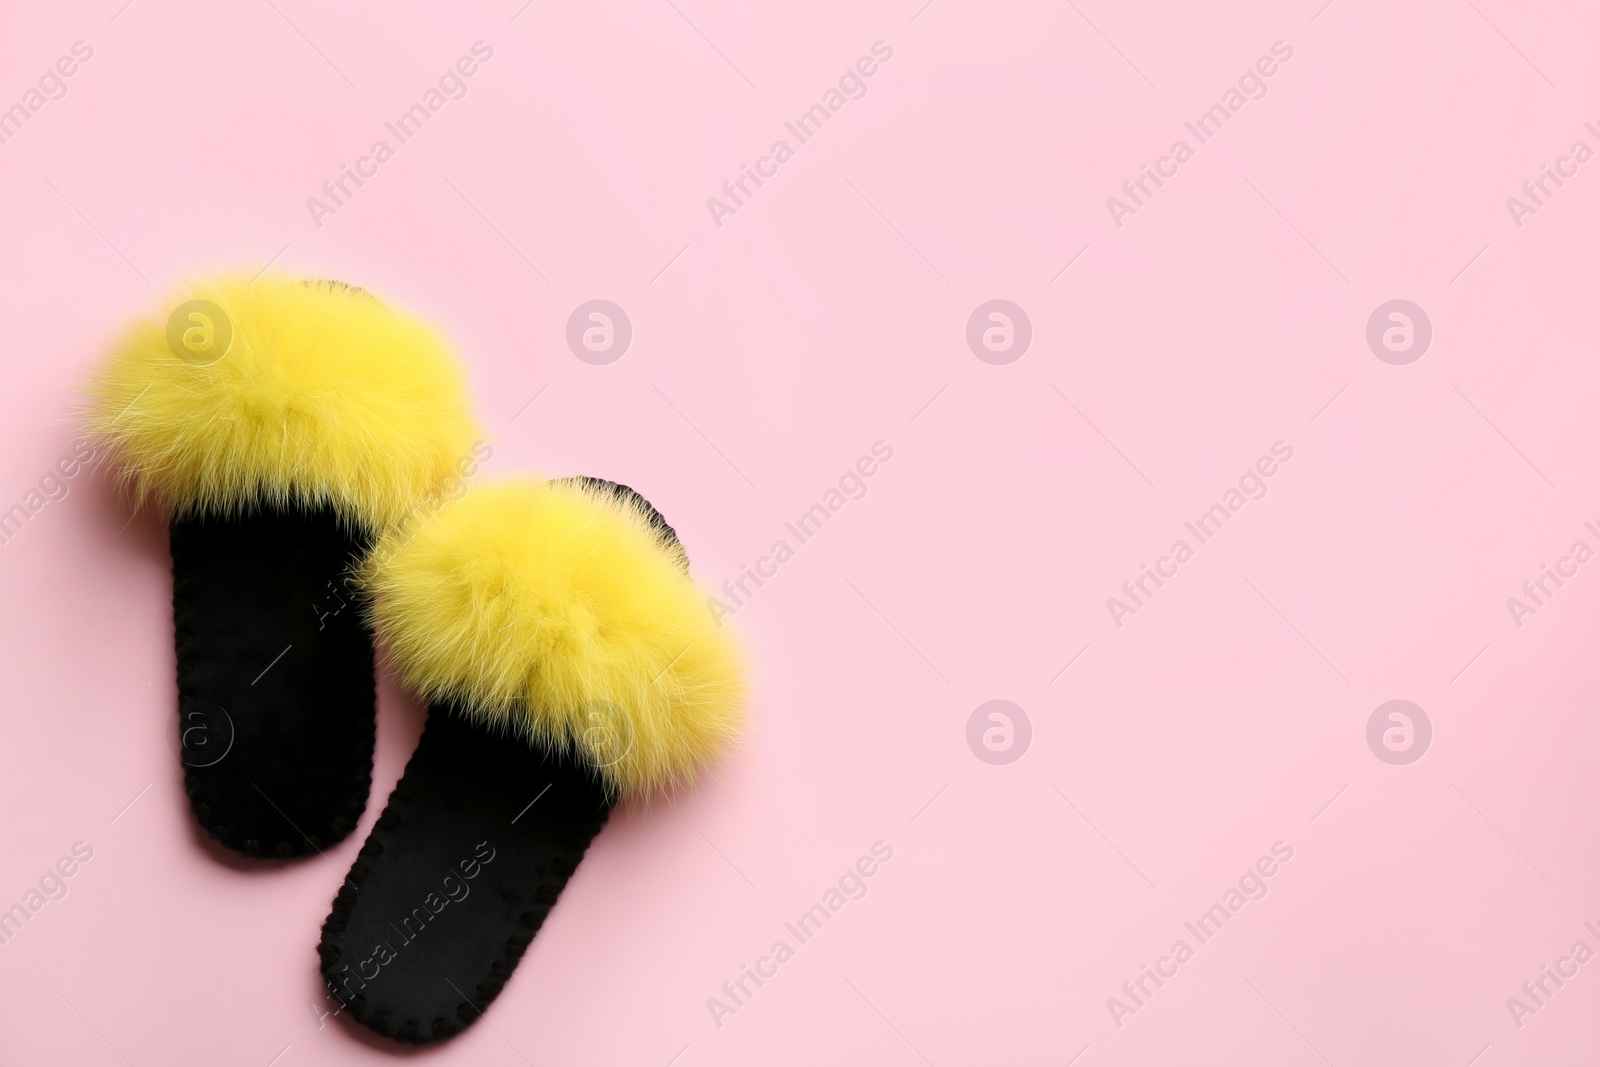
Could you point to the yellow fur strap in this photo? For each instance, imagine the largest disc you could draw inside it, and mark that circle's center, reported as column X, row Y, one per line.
column 237, row 393
column 558, row 612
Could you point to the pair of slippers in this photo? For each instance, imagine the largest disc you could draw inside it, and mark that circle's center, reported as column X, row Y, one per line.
column 312, row 447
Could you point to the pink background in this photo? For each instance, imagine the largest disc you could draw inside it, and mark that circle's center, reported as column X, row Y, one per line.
column 829, row 313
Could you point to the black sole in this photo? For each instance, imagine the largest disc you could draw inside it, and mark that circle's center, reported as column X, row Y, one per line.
column 276, row 697
column 470, row 854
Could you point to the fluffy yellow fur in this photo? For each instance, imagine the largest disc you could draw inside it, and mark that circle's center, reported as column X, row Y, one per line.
column 325, row 396
column 558, row 612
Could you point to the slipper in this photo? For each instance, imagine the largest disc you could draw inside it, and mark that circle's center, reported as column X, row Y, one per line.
column 281, row 425
column 569, row 661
